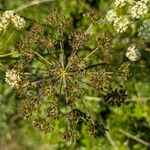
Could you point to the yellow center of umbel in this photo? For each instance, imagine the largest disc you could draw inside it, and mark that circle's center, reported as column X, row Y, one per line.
column 63, row 73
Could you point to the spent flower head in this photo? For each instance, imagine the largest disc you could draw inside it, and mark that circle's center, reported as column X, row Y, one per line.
column 58, row 65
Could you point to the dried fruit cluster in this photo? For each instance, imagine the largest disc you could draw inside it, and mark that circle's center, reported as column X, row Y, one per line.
column 57, row 65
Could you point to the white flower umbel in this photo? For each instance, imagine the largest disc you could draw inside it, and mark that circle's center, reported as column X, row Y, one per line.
column 111, row 15
column 132, row 53
column 8, row 17
column 139, row 10
column 12, row 78
column 5, row 19
column 121, row 3
column 121, row 24
column 144, row 31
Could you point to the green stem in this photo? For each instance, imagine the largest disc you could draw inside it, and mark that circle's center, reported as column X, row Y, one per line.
column 85, row 58
column 62, row 59
column 96, row 65
column 5, row 55
column 10, row 37
column 29, row 4
column 134, row 138
column 42, row 58
column 3, row 66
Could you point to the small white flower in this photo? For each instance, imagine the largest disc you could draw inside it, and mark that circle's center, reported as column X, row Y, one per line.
column 10, row 17
column 121, row 24
column 139, row 10
column 8, row 14
column 12, row 78
column 5, row 20
column 144, row 31
column 132, row 53
column 3, row 26
column 121, row 3
column 111, row 15
column 18, row 22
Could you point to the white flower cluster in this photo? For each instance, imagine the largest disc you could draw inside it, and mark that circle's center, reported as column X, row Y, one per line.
column 139, row 9
column 111, row 16
column 121, row 24
column 136, row 9
column 10, row 17
column 12, row 78
column 121, row 3
column 144, row 31
column 132, row 53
